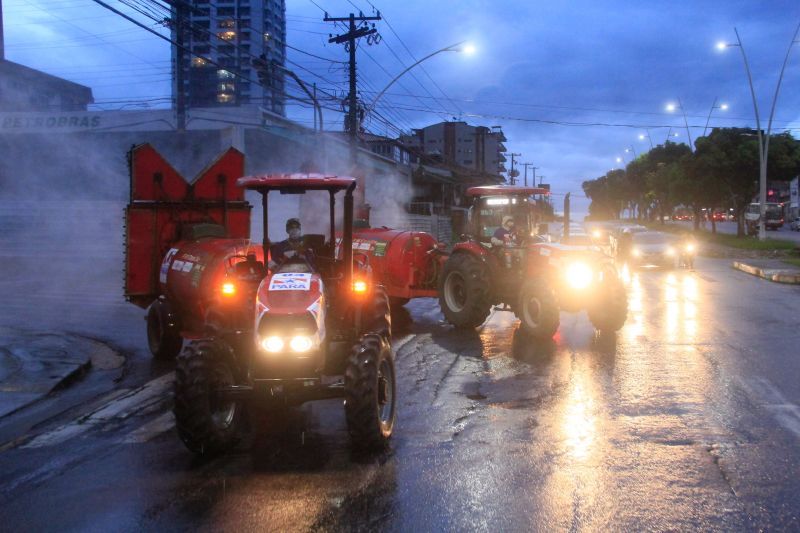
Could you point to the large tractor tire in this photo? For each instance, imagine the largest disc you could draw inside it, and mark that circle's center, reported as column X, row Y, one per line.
column 610, row 311
column 370, row 393
column 163, row 334
column 207, row 423
column 464, row 291
column 537, row 309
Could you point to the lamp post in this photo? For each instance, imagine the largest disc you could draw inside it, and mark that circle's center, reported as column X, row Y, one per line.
column 763, row 144
column 722, row 107
column 631, row 149
column 671, row 108
column 462, row 46
column 642, row 137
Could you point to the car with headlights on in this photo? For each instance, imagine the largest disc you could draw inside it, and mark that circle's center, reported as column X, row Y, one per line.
column 653, row 248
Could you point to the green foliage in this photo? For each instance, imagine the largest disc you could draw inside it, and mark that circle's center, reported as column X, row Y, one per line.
column 723, row 171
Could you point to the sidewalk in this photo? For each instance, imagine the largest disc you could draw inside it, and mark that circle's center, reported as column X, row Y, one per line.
column 33, row 364
column 770, row 269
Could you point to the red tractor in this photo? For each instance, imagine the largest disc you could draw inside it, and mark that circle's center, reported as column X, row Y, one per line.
column 307, row 330
column 532, row 278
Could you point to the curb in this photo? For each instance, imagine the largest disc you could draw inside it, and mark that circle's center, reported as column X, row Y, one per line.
column 36, row 364
column 791, row 277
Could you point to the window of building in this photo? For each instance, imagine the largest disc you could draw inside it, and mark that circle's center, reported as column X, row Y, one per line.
column 226, row 23
column 227, row 61
column 202, row 50
column 244, row 49
column 198, row 62
column 201, row 12
column 227, row 35
column 226, row 49
column 203, row 24
column 226, row 87
column 225, row 75
column 244, row 23
column 225, row 11
column 244, row 11
column 224, row 98
column 468, row 161
column 244, row 36
column 244, row 87
column 200, row 2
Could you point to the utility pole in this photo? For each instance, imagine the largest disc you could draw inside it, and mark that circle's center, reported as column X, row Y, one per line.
column 526, row 165
column 349, row 40
column 180, row 59
column 513, row 173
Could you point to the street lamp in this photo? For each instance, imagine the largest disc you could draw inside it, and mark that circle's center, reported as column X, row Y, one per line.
column 642, row 137
column 721, row 107
column 462, row 46
column 671, row 107
column 763, row 144
column 670, row 134
column 631, row 149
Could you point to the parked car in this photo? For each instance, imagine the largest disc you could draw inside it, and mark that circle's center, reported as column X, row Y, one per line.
column 794, row 225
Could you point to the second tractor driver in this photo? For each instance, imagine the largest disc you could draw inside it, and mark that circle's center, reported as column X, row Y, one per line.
column 294, row 246
column 505, row 234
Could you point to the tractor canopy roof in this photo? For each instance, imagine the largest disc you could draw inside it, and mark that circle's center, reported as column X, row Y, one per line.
column 498, row 190
column 296, row 183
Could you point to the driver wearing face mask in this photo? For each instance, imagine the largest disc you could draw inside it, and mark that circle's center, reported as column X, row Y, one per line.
column 291, row 247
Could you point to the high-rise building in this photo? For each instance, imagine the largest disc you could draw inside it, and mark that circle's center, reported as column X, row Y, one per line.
column 231, row 33
column 474, row 147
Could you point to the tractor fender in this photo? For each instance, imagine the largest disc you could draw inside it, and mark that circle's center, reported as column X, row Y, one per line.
column 471, row 247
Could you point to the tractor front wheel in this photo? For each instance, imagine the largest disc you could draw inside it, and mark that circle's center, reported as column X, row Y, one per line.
column 610, row 311
column 207, row 422
column 163, row 336
column 537, row 310
column 370, row 393
column 464, row 291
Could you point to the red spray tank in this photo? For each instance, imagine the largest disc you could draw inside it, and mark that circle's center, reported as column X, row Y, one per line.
column 407, row 263
column 183, row 237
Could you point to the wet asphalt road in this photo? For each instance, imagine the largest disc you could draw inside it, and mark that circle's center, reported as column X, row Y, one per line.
column 687, row 419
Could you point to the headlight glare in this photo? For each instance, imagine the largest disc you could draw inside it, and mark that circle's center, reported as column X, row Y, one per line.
column 301, row 343
column 636, row 252
column 690, row 247
column 579, row 275
column 272, row 344
column 670, row 251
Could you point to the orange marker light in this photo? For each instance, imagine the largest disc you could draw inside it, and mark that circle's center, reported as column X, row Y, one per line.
column 360, row 287
column 228, row 288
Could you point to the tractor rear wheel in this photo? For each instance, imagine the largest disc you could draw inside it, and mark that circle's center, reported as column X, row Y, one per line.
column 611, row 310
column 370, row 393
column 207, row 423
column 163, row 336
column 537, row 309
column 464, row 291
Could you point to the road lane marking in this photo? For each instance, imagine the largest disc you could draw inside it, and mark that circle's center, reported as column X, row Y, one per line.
column 152, row 429
column 119, row 408
column 766, row 395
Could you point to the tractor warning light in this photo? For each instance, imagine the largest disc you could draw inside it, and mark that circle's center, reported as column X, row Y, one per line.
column 228, row 288
column 359, row 286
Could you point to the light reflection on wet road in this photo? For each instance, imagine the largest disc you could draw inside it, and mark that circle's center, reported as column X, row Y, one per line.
column 683, row 420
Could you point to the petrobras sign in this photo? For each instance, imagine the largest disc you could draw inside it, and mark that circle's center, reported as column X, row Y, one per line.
column 44, row 122
column 794, row 185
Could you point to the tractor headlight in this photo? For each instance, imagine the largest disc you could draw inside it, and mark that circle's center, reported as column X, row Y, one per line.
column 579, row 275
column 272, row 344
column 597, row 234
column 690, row 247
column 670, row 251
column 636, row 252
column 301, row 343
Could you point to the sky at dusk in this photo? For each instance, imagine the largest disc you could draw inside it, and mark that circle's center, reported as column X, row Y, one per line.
column 572, row 83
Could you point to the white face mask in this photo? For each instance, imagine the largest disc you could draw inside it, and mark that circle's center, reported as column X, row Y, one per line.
column 294, row 233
